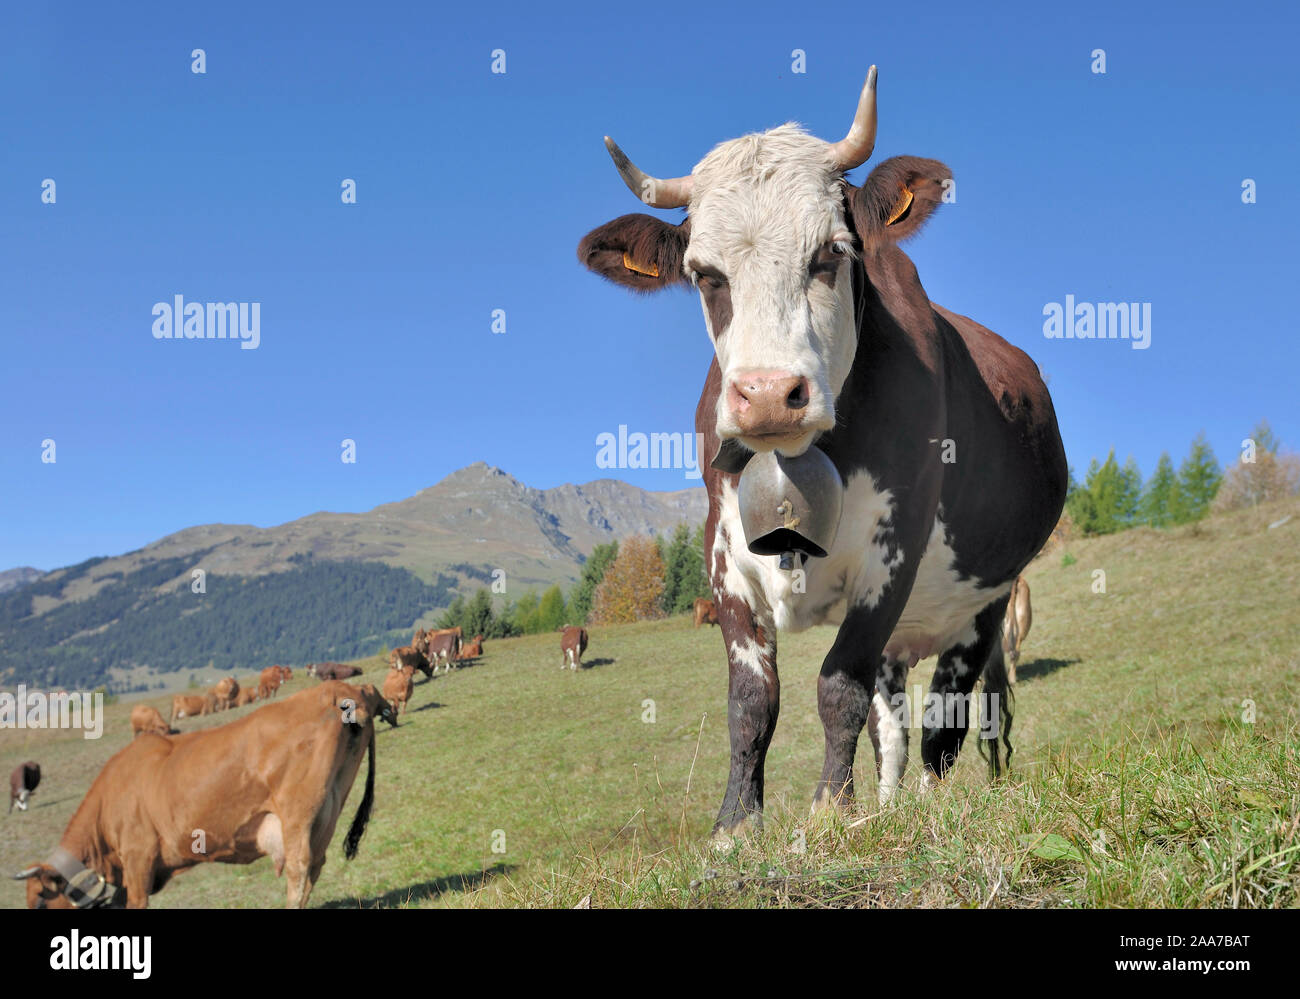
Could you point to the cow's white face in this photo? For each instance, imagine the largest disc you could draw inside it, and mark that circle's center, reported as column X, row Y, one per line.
column 769, row 250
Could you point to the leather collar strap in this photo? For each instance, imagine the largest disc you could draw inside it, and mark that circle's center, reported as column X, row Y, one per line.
column 85, row 888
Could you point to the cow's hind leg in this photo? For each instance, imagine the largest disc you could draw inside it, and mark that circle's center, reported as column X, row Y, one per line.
column 948, row 711
column 887, row 725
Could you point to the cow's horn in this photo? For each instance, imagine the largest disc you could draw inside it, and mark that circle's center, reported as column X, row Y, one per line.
column 855, row 148
column 31, row 872
column 674, row 192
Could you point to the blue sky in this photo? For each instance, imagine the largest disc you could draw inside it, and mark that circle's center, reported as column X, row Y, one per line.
column 474, row 188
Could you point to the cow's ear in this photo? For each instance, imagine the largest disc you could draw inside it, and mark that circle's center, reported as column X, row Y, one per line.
column 897, row 198
column 639, row 252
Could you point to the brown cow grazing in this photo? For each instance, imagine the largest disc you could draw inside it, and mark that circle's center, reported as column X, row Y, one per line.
column 399, row 686
column 192, row 705
column 706, row 612
column 410, row 655
column 333, row 671
column 225, row 692
column 247, row 695
column 472, row 650
column 22, row 784
column 1015, row 625
column 573, row 643
column 444, row 646
column 269, row 784
column 147, row 719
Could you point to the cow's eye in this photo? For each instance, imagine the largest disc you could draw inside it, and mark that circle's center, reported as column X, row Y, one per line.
column 827, row 259
column 707, row 278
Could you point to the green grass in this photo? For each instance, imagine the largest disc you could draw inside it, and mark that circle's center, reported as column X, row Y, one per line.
column 1135, row 782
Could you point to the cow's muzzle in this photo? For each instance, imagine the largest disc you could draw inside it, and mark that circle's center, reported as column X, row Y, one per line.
column 768, row 405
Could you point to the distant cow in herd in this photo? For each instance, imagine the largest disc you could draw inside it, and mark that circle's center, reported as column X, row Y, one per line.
column 412, row 656
column 471, row 650
column 192, row 705
column 399, row 687
column 22, row 784
column 271, row 679
column 706, row 612
column 147, row 719
column 332, row 671
column 443, row 646
column 573, row 643
column 269, row 784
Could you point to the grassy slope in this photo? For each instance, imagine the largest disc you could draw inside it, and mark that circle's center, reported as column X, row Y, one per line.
column 1127, row 722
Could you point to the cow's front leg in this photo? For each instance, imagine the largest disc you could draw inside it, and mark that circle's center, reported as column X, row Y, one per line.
column 138, row 878
column 845, row 689
column 753, row 702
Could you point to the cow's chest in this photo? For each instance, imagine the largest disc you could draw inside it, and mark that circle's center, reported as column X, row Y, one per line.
column 864, row 559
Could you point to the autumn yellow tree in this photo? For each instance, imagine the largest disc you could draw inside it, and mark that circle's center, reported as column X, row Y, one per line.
column 633, row 586
column 1264, row 472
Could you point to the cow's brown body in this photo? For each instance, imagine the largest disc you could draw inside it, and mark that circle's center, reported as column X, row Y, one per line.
column 192, row 705
column 269, row 784
column 573, row 643
column 271, row 679
column 399, row 686
column 471, row 650
column 247, row 695
column 706, row 612
column 333, row 671
column 1015, row 625
column 22, row 784
column 410, row 655
column 224, row 693
column 147, row 719
column 444, row 647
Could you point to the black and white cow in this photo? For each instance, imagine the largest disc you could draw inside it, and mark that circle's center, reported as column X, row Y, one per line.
column 943, row 435
column 24, row 780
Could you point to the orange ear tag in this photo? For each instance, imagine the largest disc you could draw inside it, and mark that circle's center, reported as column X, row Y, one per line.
column 903, row 205
column 651, row 271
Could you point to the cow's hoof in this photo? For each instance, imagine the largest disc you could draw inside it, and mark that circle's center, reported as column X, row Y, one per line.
column 726, row 837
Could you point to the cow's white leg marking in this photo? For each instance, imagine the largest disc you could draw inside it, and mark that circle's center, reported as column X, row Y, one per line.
column 892, row 733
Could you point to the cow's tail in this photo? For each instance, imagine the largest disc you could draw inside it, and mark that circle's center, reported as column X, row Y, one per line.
column 359, row 821
column 997, row 708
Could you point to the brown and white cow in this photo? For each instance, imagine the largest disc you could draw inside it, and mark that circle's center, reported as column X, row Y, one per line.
column 22, row 784
column 942, row 433
column 444, row 647
column 192, row 705
column 269, row 784
column 573, row 643
column 148, row 719
column 1015, row 625
column 706, row 612
column 399, row 687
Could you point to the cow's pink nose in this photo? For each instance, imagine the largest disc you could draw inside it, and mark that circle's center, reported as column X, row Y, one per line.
column 767, row 402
